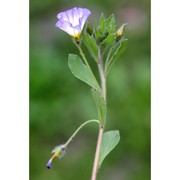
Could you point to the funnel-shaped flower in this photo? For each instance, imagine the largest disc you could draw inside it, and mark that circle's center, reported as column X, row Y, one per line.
column 72, row 21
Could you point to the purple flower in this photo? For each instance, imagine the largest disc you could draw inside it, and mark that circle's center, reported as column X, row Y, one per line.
column 72, row 21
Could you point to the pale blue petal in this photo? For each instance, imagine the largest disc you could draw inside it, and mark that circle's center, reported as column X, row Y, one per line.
column 70, row 15
column 72, row 21
column 84, row 11
column 63, row 16
column 77, row 30
column 82, row 21
column 85, row 14
column 65, row 26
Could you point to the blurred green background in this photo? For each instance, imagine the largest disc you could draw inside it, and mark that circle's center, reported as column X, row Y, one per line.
column 59, row 102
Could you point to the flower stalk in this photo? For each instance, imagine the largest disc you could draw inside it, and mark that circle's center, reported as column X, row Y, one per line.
column 59, row 151
column 80, row 127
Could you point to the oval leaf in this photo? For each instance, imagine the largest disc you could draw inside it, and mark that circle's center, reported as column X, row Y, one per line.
column 80, row 70
column 109, row 141
column 91, row 45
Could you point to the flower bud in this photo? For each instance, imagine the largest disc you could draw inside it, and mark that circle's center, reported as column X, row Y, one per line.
column 89, row 29
column 120, row 32
column 58, row 151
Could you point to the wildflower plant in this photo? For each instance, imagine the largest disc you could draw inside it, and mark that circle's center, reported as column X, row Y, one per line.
column 105, row 43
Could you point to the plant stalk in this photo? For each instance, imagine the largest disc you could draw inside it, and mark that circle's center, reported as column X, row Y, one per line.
column 101, row 127
column 98, row 148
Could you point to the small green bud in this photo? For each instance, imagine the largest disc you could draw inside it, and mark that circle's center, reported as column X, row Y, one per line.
column 120, row 32
column 89, row 29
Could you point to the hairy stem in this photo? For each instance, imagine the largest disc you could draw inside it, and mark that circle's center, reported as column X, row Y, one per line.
column 101, row 129
column 82, row 125
column 98, row 148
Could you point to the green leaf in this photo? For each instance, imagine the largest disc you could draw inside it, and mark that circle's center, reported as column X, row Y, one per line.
column 110, row 20
column 96, row 32
column 109, row 141
column 114, row 54
column 101, row 25
column 110, row 24
column 109, row 40
column 120, row 50
column 80, row 70
column 100, row 104
column 90, row 43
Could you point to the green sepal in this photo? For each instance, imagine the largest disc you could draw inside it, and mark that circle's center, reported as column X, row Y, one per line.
column 109, row 142
column 91, row 45
column 100, row 104
column 114, row 53
column 80, row 71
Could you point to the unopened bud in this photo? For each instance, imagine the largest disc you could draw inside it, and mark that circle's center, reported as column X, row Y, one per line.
column 120, row 32
column 59, row 152
column 89, row 29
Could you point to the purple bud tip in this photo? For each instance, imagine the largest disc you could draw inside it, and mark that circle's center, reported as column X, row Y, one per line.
column 48, row 165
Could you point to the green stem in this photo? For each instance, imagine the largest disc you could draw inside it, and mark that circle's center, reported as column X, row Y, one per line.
column 98, row 149
column 102, row 74
column 82, row 125
column 101, row 129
